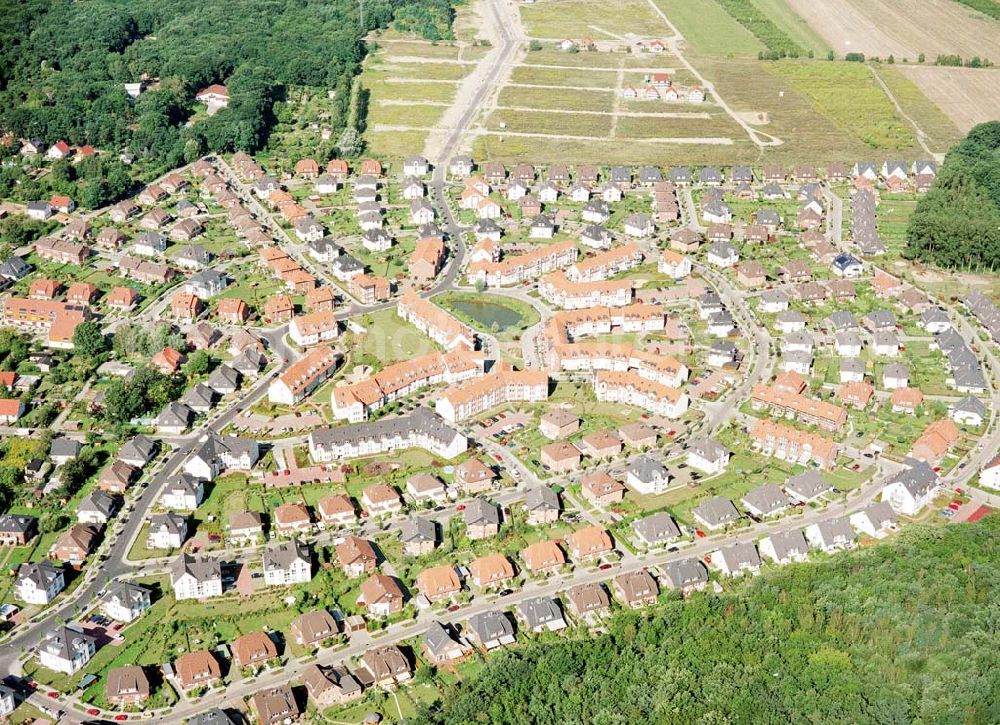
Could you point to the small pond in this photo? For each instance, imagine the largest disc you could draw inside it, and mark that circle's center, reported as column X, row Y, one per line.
column 489, row 313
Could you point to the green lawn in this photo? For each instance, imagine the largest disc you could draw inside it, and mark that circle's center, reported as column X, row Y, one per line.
column 388, row 340
column 558, row 19
column 708, row 29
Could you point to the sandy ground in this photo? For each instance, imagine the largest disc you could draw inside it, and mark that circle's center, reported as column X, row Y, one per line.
column 904, row 28
column 967, row 95
column 486, row 23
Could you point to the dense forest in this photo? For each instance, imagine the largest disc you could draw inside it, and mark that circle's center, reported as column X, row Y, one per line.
column 957, row 223
column 63, row 65
column 903, row 632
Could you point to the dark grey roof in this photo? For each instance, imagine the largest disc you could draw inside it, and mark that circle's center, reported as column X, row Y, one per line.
column 717, row 511
column 881, row 320
column 789, row 543
column 65, row 447
column 215, row 716
column 807, row 485
column 684, row 573
column 97, row 500
column 895, row 370
column 17, row 523
column 918, row 478
column 175, row 414
column 283, row 555
column 647, row 469
column 491, row 625
column 139, row 448
column 173, row 523
column 422, row 420
column 127, row 594
column 766, row 499
column 43, row 573
column 657, row 528
column 880, row 513
column 481, row 512
column 969, row 404
column 539, row 611
column 835, row 530
column 248, row 361
column 223, row 378
column 741, row 555
column 439, row 637
column 541, row 498
column 418, row 530
column 842, row 320
column 64, row 641
column 708, row 448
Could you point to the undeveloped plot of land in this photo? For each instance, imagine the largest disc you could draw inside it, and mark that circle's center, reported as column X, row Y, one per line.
column 551, row 149
column 720, row 126
column 811, row 133
column 574, row 124
column 534, row 75
column 904, row 28
column 709, row 29
column 967, row 95
column 556, row 98
column 558, row 19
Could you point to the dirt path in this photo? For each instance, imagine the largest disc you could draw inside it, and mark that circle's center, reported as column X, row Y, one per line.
column 488, row 22
column 921, row 136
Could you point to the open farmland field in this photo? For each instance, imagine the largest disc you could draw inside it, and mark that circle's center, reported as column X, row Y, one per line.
column 708, row 29
column 814, row 129
column 904, row 28
column 558, row 19
column 848, row 95
column 940, row 130
column 967, row 95
column 785, row 18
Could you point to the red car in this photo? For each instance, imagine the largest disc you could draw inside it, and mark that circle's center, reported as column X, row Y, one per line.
column 454, row 608
column 699, row 533
column 954, row 506
column 93, row 712
column 460, row 507
column 121, row 718
column 53, row 694
column 498, row 457
column 604, row 567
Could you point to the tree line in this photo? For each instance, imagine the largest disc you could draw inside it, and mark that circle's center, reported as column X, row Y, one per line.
column 894, row 633
column 957, row 223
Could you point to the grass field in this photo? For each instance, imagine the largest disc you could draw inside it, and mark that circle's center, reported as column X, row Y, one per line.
column 557, row 99
column 719, row 125
column 708, row 29
column 589, row 77
column 941, row 131
column 558, row 19
column 612, row 151
column 574, row 124
column 848, row 95
column 388, row 340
